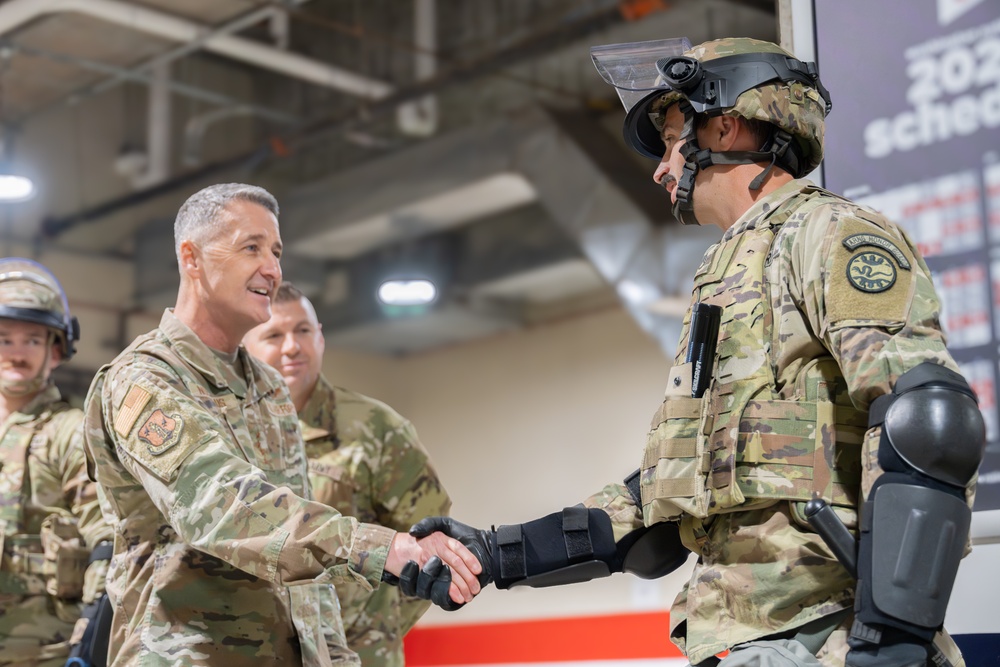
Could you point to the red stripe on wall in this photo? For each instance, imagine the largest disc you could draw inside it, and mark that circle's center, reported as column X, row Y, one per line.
column 617, row 637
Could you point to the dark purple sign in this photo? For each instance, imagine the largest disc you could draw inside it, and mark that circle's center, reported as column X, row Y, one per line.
column 915, row 133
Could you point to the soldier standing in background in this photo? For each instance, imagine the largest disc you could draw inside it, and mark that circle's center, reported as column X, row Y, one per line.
column 365, row 460
column 53, row 538
column 830, row 382
column 221, row 559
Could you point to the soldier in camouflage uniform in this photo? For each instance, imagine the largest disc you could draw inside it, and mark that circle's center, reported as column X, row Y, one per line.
column 220, row 557
column 831, row 391
column 365, row 460
column 50, row 517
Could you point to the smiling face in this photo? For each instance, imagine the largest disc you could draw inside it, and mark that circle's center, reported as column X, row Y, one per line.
column 240, row 268
column 24, row 349
column 292, row 343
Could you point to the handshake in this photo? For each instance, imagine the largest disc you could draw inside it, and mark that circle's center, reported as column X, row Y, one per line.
column 444, row 546
column 449, row 562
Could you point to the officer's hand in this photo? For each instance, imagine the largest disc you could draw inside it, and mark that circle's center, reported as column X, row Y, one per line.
column 432, row 582
column 464, row 566
column 479, row 542
column 898, row 649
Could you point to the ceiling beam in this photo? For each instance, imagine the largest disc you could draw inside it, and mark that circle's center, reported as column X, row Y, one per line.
column 573, row 26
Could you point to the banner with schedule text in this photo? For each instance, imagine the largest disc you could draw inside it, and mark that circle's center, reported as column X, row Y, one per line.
column 915, row 133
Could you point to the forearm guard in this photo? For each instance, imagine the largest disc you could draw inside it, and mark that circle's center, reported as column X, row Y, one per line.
column 578, row 545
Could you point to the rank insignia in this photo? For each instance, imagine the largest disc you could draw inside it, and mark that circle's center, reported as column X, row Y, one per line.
column 871, row 271
column 161, row 431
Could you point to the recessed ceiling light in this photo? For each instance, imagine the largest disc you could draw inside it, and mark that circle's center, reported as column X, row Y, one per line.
column 407, row 292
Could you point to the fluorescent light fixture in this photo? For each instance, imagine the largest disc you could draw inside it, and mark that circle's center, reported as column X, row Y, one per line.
column 407, row 292
column 15, row 188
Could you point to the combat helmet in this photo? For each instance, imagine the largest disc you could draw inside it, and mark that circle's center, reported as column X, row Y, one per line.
column 741, row 77
column 30, row 293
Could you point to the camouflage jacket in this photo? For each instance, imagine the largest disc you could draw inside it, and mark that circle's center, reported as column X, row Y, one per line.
column 43, row 481
column 219, row 558
column 761, row 570
column 366, row 461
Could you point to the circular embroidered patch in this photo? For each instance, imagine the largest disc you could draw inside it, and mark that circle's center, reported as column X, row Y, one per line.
column 871, row 271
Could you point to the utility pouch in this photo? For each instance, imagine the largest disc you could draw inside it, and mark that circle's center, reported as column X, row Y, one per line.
column 66, row 557
column 675, row 462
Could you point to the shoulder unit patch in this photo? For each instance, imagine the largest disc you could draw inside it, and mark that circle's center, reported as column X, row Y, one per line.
column 871, row 271
column 855, row 241
column 161, row 431
column 871, row 275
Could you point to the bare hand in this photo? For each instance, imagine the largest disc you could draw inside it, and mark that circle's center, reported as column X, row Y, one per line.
column 464, row 565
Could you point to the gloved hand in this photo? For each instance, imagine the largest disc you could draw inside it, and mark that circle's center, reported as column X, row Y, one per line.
column 897, row 649
column 430, row 583
column 479, row 542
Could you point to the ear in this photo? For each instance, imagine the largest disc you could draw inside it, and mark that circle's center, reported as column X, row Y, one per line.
column 321, row 341
column 189, row 258
column 55, row 356
column 730, row 132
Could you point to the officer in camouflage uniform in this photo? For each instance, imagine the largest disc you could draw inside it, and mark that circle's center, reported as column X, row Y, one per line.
column 365, row 460
column 220, row 557
column 831, row 391
column 50, row 518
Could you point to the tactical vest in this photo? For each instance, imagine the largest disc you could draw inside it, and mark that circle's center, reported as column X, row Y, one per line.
column 740, row 446
column 53, row 559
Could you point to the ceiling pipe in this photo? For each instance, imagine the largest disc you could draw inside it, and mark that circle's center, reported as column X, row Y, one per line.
column 158, row 131
column 419, row 118
column 138, row 76
column 549, row 38
column 15, row 13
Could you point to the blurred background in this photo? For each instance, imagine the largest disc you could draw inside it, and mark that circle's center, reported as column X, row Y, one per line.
column 469, row 144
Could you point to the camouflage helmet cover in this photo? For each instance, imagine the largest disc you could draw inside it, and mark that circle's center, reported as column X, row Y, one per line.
column 30, row 293
column 795, row 107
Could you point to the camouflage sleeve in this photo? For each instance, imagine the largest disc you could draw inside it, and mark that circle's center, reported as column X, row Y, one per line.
column 81, row 496
column 192, row 469
column 406, row 486
column 406, row 490
column 616, row 500
column 79, row 492
column 869, row 297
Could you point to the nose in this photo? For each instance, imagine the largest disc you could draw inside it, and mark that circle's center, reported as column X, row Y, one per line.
column 290, row 346
column 271, row 269
column 14, row 352
column 662, row 169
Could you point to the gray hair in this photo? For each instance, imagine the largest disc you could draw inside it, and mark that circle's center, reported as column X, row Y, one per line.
column 199, row 218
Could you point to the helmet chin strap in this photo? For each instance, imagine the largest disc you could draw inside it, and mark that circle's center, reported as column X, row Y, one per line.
column 697, row 159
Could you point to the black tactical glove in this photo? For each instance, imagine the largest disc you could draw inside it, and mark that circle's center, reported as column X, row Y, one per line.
column 479, row 542
column 430, row 583
column 897, row 649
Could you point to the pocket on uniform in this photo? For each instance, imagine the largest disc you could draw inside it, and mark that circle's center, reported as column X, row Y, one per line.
column 673, row 468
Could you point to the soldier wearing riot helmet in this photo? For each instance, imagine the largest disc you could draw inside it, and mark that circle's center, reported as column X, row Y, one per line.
column 831, row 388
column 53, row 536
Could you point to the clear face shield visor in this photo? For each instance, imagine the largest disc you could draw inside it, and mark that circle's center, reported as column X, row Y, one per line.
column 632, row 69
